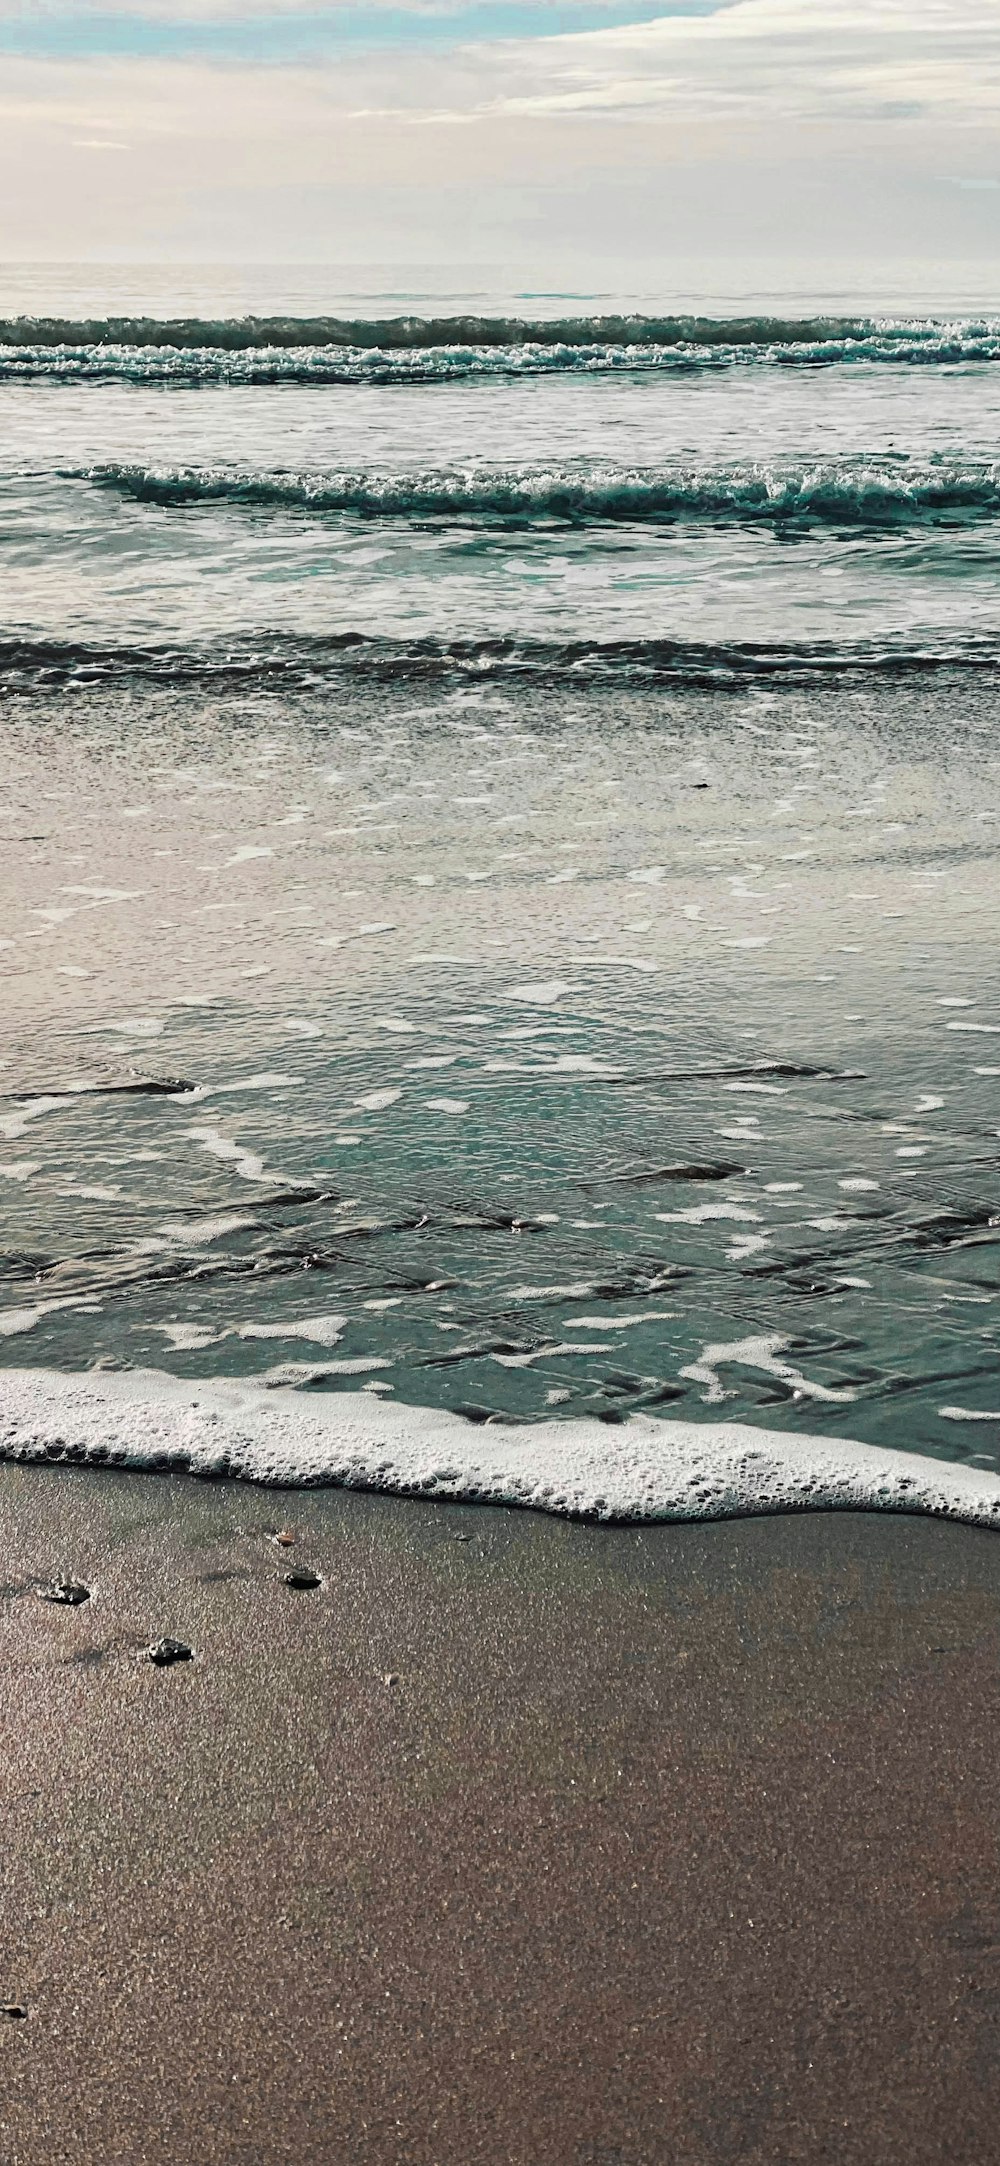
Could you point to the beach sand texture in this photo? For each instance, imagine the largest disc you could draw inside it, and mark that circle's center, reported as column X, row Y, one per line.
column 516, row 1841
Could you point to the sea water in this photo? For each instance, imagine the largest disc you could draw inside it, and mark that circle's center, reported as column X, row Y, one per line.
column 498, row 881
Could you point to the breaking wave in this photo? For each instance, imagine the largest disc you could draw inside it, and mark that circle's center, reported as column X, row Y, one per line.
column 885, row 491
column 320, row 350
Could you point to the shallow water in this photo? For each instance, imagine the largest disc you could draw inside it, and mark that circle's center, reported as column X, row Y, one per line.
column 510, row 1050
column 598, row 1023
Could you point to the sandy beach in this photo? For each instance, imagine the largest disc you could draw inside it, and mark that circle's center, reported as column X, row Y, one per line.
column 515, row 1841
column 499, row 1109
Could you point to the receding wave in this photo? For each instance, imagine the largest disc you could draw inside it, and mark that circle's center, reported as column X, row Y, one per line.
column 884, row 491
column 297, row 661
column 409, row 349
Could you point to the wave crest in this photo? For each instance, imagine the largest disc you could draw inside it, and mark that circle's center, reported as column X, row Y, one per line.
column 394, row 333
column 428, row 350
column 875, row 492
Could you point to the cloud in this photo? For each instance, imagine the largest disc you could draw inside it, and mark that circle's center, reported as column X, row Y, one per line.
column 816, row 128
column 794, row 58
column 455, row 60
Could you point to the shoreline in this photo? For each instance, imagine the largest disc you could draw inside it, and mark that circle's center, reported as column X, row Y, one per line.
column 642, row 1470
column 515, row 1839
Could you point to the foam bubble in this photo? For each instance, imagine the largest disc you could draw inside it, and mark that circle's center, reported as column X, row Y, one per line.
column 248, row 1165
column 765, row 1353
column 321, row 1330
column 698, row 1214
column 306, row 1372
column 543, row 995
column 13, row 1125
column 623, row 1323
column 187, row 1338
column 549, row 1353
column 199, row 1232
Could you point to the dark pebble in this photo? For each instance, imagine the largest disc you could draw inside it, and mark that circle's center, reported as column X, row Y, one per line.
column 69, row 1591
column 301, row 1577
column 14, row 2011
column 164, row 1652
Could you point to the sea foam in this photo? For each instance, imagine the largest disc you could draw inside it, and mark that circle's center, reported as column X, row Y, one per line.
column 639, row 1470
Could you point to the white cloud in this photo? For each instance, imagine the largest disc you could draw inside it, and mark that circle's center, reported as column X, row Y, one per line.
column 794, row 58
column 754, row 59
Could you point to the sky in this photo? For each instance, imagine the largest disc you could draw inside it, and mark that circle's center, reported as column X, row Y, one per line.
column 789, row 143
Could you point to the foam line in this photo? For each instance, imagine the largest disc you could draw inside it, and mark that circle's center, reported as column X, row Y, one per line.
column 644, row 1469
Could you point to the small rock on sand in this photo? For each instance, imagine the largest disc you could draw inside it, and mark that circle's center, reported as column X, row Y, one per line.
column 69, row 1591
column 165, row 1652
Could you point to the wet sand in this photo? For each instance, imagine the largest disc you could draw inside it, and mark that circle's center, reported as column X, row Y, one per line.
column 516, row 1841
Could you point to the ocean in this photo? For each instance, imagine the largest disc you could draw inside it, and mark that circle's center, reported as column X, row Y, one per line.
column 499, row 884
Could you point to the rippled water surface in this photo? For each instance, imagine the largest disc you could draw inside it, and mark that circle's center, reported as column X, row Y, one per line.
column 498, row 889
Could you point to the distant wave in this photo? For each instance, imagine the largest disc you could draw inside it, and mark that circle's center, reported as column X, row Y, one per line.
column 327, row 350
column 884, row 491
column 299, row 661
column 396, row 332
